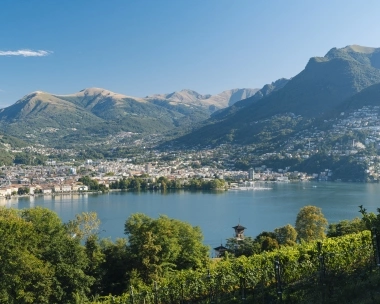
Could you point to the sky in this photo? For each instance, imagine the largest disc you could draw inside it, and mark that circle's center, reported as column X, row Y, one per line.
column 145, row 47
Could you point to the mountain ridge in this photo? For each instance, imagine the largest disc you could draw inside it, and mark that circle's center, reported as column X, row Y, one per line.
column 95, row 111
column 322, row 86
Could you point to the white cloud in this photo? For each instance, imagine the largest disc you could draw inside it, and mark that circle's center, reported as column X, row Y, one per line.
column 26, row 53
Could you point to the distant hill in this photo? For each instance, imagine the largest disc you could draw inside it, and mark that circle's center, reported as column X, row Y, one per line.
column 91, row 111
column 47, row 117
column 320, row 88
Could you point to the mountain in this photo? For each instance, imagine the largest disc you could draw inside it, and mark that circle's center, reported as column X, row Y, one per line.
column 94, row 111
column 41, row 115
column 210, row 102
column 367, row 97
column 321, row 87
column 263, row 92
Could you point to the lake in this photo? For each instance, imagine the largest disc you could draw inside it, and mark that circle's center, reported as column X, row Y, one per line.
column 215, row 212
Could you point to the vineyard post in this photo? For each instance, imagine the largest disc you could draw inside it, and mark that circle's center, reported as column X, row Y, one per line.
column 376, row 246
column 182, row 287
column 131, row 291
column 322, row 265
column 322, row 269
column 155, row 293
column 277, row 269
column 210, row 286
column 242, row 285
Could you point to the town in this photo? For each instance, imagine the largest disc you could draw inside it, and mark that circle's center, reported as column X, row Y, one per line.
column 236, row 165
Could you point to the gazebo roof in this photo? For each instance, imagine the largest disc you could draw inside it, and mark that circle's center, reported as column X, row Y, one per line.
column 239, row 227
column 221, row 247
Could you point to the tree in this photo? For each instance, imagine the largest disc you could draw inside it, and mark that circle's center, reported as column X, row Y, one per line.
column 84, row 226
column 247, row 246
column 23, row 190
column 269, row 244
column 115, row 267
column 310, row 224
column 346, row 227
column 40, row 262
column 157, row 246
column 286, row 235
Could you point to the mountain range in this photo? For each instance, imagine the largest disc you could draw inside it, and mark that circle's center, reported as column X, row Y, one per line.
column 343, row 80
column 100, row 112
column 326, row 85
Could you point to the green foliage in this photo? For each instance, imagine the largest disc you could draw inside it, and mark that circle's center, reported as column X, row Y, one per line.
column 84, row 226
column 199, row 184
column 346, row 227
column 345, row 168
column 299, row 267
column 23, row 190
column 159, row 246
column 40, row 263
column 246, row 247
column 310, row 224
column 29, row 159
column 115, row 268
column 163, row 183
column 92, row 184
column 265, row 241
column 370, row 220
column 286, row 235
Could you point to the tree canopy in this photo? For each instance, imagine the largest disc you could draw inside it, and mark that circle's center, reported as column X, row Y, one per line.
column 310, row 224
column 39, row 261
column 157, row 246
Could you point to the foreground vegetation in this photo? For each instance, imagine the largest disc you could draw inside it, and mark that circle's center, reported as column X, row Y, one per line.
column 163, row 260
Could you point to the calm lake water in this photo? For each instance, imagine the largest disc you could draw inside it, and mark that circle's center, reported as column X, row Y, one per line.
column 216, row 212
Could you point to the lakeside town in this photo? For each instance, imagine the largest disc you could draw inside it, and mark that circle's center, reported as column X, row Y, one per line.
column 221, row 162
column 63, row 177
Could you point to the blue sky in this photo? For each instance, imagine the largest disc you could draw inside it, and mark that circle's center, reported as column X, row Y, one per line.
column 142, row 47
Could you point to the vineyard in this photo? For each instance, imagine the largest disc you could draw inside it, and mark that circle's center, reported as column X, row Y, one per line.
column 337, row 270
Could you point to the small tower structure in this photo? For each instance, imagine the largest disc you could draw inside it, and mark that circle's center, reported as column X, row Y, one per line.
column 220, row 250
column 239, row 232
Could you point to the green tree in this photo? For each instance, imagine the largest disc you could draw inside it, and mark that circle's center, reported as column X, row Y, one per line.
column 286, row 235
column 41, row 262
column 115, row 267
column 269, row 244
column 346, row 227
column 84, row 225
column 23, row 190
column 310, row 224
column 370, row 220
column 96, row 259
column 247, row 247
column 160, row 245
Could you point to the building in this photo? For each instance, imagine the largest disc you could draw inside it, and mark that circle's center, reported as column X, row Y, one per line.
column 251, row 174
column 239, row 232
column 220, row 251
